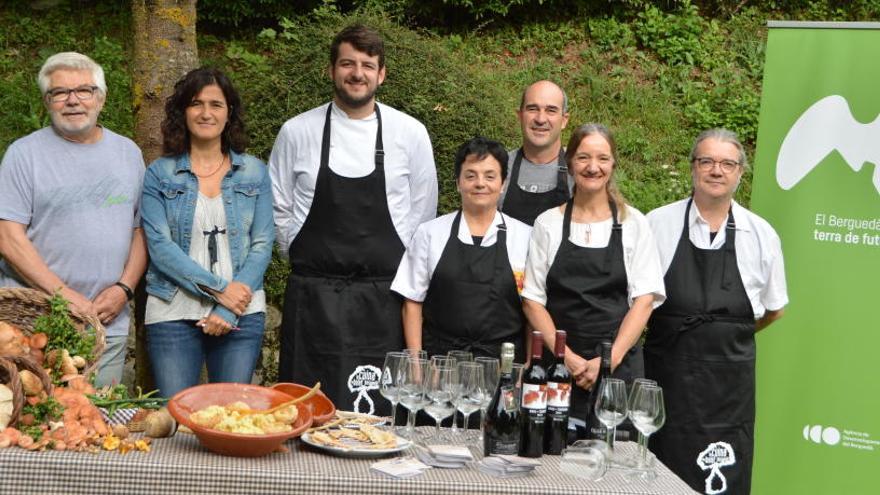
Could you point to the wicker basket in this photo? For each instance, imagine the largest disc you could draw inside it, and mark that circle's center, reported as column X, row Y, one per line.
column 9, row 377
column 22, row 307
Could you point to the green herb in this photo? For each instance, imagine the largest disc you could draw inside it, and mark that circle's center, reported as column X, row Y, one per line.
column 33, row 431
column 117, row 397
column 63, row 334
column 43, row 412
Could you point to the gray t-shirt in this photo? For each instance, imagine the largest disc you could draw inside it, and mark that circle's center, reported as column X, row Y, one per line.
column 80, row 203
column 532, row 178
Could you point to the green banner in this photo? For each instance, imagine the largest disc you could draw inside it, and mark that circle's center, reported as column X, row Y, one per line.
column 817, row 181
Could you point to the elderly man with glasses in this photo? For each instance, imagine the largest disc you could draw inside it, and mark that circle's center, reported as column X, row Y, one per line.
column 724, row 280
column 69, row 200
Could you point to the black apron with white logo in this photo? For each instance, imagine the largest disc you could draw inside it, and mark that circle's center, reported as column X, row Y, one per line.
column 701, row 349
column 472, row 302
column 587, row 297
column 526, row 206
column 340, row 317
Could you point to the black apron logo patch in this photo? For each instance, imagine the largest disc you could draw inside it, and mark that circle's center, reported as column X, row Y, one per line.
column 363, row 379
column 716, row 456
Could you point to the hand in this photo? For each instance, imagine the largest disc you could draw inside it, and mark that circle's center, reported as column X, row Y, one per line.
column 214, row 325
column 79, row 302
column 109, row 303
column 235, row 297
column 583, row 371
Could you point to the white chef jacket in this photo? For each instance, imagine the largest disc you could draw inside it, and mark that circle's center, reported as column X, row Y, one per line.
column 758, row 250
column 640, row 258
column 410, row 174
column 424, row 251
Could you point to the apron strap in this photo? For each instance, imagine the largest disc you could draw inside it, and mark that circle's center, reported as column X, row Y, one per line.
column 615, row 242
column 729, row 248
column 379, row 156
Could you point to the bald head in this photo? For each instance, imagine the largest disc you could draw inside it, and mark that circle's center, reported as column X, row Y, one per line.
column 543, row 114
column 545, row 89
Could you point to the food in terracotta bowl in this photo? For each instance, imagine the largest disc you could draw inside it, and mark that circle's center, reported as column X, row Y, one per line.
column 322, row 407
column 220, row 415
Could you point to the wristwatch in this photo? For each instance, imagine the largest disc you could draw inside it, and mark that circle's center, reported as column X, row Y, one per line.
column 129, row 294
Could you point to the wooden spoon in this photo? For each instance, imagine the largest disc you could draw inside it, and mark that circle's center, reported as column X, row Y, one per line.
column 308, row 395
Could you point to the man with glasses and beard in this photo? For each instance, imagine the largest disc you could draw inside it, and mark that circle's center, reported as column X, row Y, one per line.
column 351, row 180
column 69, row 206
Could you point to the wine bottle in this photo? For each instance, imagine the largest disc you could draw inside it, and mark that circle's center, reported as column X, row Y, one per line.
column 501, row 424
column 534, row 401
column 558, row 400
column 595, row 428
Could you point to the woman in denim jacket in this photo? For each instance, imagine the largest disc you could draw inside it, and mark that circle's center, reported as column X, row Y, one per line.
column 207, row 214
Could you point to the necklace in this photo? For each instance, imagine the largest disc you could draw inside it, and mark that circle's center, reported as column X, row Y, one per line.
column 204, row 176
column 589, row 230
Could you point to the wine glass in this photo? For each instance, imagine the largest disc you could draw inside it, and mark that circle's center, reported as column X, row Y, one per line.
column 443, row 360
column 440, row 388
column 637, row 383
column 470, row 392
column 412, row 389
column 648, row 414
column 517, row 370
column 491, row 375
column 611, row 407
column 459, row 357
column 391, row 381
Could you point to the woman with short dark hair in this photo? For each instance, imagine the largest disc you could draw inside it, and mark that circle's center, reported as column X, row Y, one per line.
column 207, row 214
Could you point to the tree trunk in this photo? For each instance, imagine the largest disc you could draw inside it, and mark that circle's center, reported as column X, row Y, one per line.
column 164, row 50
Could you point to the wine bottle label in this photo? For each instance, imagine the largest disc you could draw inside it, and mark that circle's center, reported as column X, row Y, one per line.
column 534, row 397
column 558, row 395
column 508, row 396
column 501, row 447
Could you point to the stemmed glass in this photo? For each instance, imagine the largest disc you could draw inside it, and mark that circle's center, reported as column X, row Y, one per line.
column 459, row 357
column 611, row 407
column 470, row 392
column 648, row 414
column 636, row 385
column 491, row 375
column 412, row 389
column 391, row 381
column 440, row 387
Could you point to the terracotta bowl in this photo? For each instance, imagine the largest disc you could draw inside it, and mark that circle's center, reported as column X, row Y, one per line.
column 322, row 407
column 199, row 397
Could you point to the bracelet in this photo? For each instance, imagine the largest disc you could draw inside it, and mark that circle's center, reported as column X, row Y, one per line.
column 129, row 294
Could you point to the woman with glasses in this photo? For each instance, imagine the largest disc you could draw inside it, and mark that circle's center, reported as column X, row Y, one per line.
column 724, row 281
column 593, row 268
column 207, row 214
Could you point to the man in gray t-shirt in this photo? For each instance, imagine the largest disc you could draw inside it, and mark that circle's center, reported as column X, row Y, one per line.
column 538, row 167
column 69, row 201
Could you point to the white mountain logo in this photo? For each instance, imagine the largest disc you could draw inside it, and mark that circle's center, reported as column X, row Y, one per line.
column 827, row 126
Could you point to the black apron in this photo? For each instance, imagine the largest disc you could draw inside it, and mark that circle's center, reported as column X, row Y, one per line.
column 472, row 303
column 586, row 296
column 526, row 206
column 340, row 316
column 701, row 349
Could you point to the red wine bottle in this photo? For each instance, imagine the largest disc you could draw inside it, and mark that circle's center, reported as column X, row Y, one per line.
column 595, row 428
column 534, row 401
column 558, row 400
column 501, row 430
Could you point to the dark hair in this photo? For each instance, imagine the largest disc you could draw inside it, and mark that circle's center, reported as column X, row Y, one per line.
column 480, row 147
column 175, row 135
column 574, row 142
column 363, row 39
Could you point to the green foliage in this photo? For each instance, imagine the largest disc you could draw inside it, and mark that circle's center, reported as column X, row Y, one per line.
column 63, row 334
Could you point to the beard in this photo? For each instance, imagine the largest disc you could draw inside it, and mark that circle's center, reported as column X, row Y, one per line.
column 68, row 128
column 352, row 101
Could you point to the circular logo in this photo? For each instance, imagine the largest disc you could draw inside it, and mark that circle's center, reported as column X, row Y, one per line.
column 819, row 434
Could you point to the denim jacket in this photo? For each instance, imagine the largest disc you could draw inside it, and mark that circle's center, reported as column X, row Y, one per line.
column 168, row 207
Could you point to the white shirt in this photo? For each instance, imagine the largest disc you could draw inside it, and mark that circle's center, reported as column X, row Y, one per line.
column 758, row 250
column 424, row 251
column 209, row 214
column 410, row 174
column 640, row 258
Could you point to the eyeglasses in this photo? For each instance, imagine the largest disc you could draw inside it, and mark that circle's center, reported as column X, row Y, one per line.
column 705, row 163
column 83, row 93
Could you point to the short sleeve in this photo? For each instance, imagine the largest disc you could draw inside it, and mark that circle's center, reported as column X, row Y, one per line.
column 537, row 264
column 16, row 188
column 644, row 275
column 413, row 274
column 774, row 295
